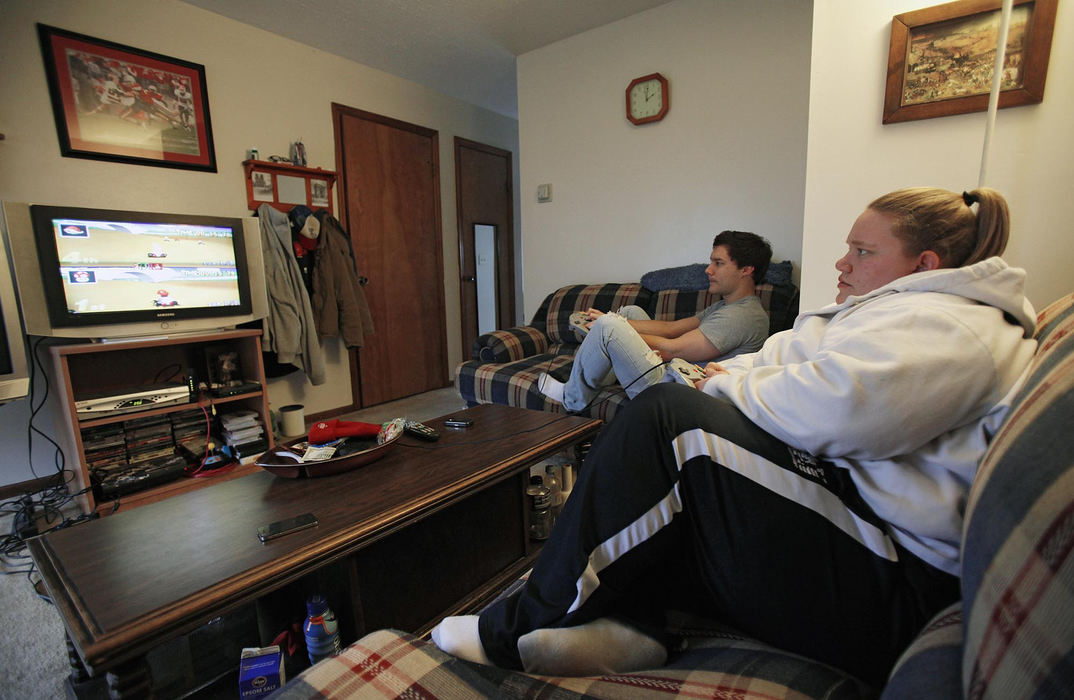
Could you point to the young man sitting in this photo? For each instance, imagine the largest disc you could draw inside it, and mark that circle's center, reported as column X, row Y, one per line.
column 629, row 347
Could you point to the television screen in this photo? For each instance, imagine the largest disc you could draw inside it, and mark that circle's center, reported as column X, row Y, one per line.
column 110, row 274
column 120, row 266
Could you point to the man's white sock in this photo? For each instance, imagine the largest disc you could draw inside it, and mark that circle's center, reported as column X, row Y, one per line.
column 596, row 648
column 459, row 637
column 551, row 387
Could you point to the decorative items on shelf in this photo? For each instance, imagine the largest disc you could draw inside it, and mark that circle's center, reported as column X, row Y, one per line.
column 298, row 153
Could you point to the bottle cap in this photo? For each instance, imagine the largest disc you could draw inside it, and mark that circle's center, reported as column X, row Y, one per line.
column 316, row 605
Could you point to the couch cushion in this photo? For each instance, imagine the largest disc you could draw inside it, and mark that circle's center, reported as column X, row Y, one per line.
column 579, row 297
column 390, row 664
column 929, row 668
column 780, row 302
column 515, row 384
column 510, row 344
column 1018, row 568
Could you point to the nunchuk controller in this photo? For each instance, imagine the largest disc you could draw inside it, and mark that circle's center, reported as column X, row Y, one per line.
column 685, row 372
column 579, row 322
column 421, row 431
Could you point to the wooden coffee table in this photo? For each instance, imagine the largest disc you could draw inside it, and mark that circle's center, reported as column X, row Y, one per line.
column 431, row 529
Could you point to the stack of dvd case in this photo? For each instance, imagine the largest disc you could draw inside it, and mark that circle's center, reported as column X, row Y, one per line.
column 244, row 434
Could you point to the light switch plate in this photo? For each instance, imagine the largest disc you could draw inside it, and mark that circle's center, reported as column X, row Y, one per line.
column 544, row 193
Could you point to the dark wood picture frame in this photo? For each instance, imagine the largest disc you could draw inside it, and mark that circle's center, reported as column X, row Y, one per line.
column 118, row 103
column 949, row 80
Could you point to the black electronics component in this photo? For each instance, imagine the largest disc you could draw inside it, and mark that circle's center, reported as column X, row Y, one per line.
column 283, row 527
column 421, row 431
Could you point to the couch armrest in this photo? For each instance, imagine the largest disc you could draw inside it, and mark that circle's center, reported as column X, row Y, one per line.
column 510, row 345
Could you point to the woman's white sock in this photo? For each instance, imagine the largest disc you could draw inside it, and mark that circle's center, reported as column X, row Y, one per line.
column 459, row 637
column 596, row 648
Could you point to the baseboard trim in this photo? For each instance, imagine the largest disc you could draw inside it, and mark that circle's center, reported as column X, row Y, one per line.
column 31, row 486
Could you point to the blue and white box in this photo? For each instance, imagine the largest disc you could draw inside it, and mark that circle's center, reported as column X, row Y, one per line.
column 260, row 671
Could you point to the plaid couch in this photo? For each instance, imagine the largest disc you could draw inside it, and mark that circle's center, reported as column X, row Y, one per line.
column 505, row 364
column 1011, row 636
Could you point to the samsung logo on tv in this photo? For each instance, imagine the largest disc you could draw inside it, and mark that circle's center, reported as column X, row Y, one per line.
column 165, row 314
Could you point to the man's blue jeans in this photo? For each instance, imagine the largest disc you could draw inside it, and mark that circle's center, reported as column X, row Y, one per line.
column 612, row 351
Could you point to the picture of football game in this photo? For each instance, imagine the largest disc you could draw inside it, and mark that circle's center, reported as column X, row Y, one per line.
column 117, row 102
column 108, row 267
column 131, row 105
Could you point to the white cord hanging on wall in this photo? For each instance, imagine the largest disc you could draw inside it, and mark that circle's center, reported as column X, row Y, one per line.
column 993, row 96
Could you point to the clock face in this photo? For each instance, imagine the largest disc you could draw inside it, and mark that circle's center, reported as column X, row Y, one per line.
column 647, row 99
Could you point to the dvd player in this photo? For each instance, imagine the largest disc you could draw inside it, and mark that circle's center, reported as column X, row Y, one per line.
column 112, row 404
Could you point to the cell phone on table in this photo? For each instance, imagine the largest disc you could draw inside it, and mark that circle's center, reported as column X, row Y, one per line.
column 458, row 422
column 287, row 526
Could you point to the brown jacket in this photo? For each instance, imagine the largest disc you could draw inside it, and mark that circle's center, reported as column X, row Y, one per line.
column 339, row 304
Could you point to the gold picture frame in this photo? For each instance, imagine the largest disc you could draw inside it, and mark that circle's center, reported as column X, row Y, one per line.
column 941, row 58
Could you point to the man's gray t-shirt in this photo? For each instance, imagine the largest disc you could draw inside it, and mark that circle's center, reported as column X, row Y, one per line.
column 736, row 328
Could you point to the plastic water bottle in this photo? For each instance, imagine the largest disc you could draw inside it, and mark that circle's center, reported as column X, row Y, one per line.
column 322, row 631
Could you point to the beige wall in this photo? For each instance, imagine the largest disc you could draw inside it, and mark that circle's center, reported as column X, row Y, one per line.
column 264, row 91
column 730, row 153
column 853, row 157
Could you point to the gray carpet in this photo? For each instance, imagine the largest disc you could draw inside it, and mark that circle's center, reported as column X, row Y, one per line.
column 33, row 655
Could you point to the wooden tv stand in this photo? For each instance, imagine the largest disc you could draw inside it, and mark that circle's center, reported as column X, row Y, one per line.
column 85, row 369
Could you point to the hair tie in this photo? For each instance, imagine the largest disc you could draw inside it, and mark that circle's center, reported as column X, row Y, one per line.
column 969, row 199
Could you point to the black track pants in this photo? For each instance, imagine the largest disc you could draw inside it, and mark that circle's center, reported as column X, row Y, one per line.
column 684, row 503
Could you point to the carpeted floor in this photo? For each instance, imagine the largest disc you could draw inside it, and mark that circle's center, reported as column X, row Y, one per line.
column 33, row 656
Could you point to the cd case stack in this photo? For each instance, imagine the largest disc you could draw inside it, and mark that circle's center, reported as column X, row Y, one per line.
column 131, row 456
column 189, row 431
column 244, row 434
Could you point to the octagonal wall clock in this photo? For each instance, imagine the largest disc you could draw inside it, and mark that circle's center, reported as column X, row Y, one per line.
column 647, row 99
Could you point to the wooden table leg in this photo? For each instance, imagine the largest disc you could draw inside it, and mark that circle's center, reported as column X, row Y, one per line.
column 129, row 680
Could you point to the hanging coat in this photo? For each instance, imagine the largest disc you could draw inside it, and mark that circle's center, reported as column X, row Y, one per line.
column 339, row 303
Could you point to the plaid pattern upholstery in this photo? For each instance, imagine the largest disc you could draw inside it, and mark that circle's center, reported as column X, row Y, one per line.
column 505, row 364
column 1018, row 566
column 510, row 345
column 929, row 668
column 392, row 664
column 566, row 300
column 515, row 384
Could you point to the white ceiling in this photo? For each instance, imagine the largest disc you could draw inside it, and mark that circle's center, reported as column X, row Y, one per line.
column 463, row 48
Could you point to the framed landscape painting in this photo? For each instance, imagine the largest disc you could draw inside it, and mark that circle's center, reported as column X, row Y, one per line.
column 941, row 58
column 118, row 103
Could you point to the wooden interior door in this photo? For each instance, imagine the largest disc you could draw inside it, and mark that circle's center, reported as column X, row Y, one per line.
column 390, row 203
column 484, row 195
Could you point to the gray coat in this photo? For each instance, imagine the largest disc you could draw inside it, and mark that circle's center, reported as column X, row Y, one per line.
column 289, row 329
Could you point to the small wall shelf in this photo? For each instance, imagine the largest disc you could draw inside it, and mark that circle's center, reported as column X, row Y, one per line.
column 285, row 186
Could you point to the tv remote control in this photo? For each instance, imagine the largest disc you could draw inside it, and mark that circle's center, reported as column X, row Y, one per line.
column 421, row 431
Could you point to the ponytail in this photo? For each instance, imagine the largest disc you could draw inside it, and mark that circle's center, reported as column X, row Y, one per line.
column 993, row 224
column 930, row 218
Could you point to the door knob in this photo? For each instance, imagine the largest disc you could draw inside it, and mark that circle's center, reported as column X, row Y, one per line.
column 471, row 278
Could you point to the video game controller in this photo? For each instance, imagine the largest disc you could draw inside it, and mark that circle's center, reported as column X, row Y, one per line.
column 685, row 372
column 580, row 323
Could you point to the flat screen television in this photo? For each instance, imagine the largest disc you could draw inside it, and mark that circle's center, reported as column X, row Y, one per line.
column 102, row 274
column 14, row 367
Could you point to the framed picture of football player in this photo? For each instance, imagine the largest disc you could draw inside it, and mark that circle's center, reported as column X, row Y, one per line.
column 119, row 103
